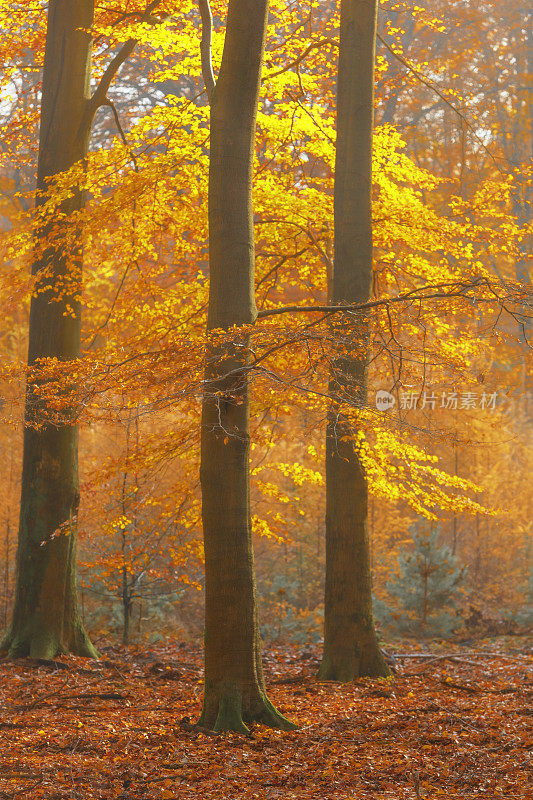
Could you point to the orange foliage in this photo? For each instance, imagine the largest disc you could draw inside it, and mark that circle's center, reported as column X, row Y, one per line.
column 450, row 184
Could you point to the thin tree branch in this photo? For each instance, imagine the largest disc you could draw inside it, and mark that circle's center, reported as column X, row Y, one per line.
column 457, row 289
column 112, row 106
column 99, row 96
column 418, row 75
column 301, row 57
column 422, row 78
column 205, row 47
column 280, row 263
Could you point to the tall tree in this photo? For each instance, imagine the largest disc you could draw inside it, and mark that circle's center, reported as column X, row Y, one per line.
column 350, row 642
column 234, row 685
column 45, row 618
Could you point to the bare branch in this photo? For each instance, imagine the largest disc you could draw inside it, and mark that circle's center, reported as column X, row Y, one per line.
column 455, row 290
column 430, row 85
column 100, row 93
column 301, row 57
column 112, row 106
column 418, row 75
column 205, row 47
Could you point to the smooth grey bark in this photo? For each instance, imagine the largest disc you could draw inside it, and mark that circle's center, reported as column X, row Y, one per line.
column 234, row 687
column 46, row 620
column 350, row 642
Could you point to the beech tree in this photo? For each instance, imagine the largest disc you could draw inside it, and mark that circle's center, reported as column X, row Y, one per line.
column 234, row 685
column 45, row 615
column 434, row 310
column 350, row 643
column 45, row 618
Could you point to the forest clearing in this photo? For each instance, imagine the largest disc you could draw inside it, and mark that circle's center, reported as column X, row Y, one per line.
column 265, row 399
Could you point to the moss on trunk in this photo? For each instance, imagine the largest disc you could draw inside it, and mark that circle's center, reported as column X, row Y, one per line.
column 45, row 619
column 234, row 686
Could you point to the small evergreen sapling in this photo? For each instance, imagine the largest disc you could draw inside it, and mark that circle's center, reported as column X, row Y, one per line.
column 425, row 589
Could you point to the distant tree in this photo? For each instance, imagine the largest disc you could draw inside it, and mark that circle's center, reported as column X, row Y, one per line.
column 425, row 588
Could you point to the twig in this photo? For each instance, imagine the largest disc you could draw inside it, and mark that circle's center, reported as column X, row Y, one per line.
column 40, row 699
column 112, row 106
column 43, row 697
column 456, row 716
column 15, row 792
column 418, row 75
column 290, row 679
column 14, row 725
column 301, row 57
column 460, row 686
column 434, row 657
column 456, row 659
column 97, row 695
column 17, row 774
column 52, row 663
column 422, row 78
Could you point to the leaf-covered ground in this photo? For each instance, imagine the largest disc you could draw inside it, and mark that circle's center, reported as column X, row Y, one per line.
column 454, row 725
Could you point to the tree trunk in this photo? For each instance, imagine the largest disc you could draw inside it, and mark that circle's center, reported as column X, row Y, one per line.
column 126, row 608
column 234, row 686
column 46, row 619
column 350, row 642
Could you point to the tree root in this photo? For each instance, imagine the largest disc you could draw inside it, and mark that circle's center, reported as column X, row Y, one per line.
column 347, row 669
column 45, row 645
column 231, row 716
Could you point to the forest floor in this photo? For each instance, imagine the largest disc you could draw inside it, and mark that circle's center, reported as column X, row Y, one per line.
column 452, row 727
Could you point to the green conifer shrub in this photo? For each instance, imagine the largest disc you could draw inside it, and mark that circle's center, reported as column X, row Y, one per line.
column 424, row 592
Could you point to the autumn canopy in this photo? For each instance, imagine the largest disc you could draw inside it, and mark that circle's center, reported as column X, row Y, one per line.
column 265, row 351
